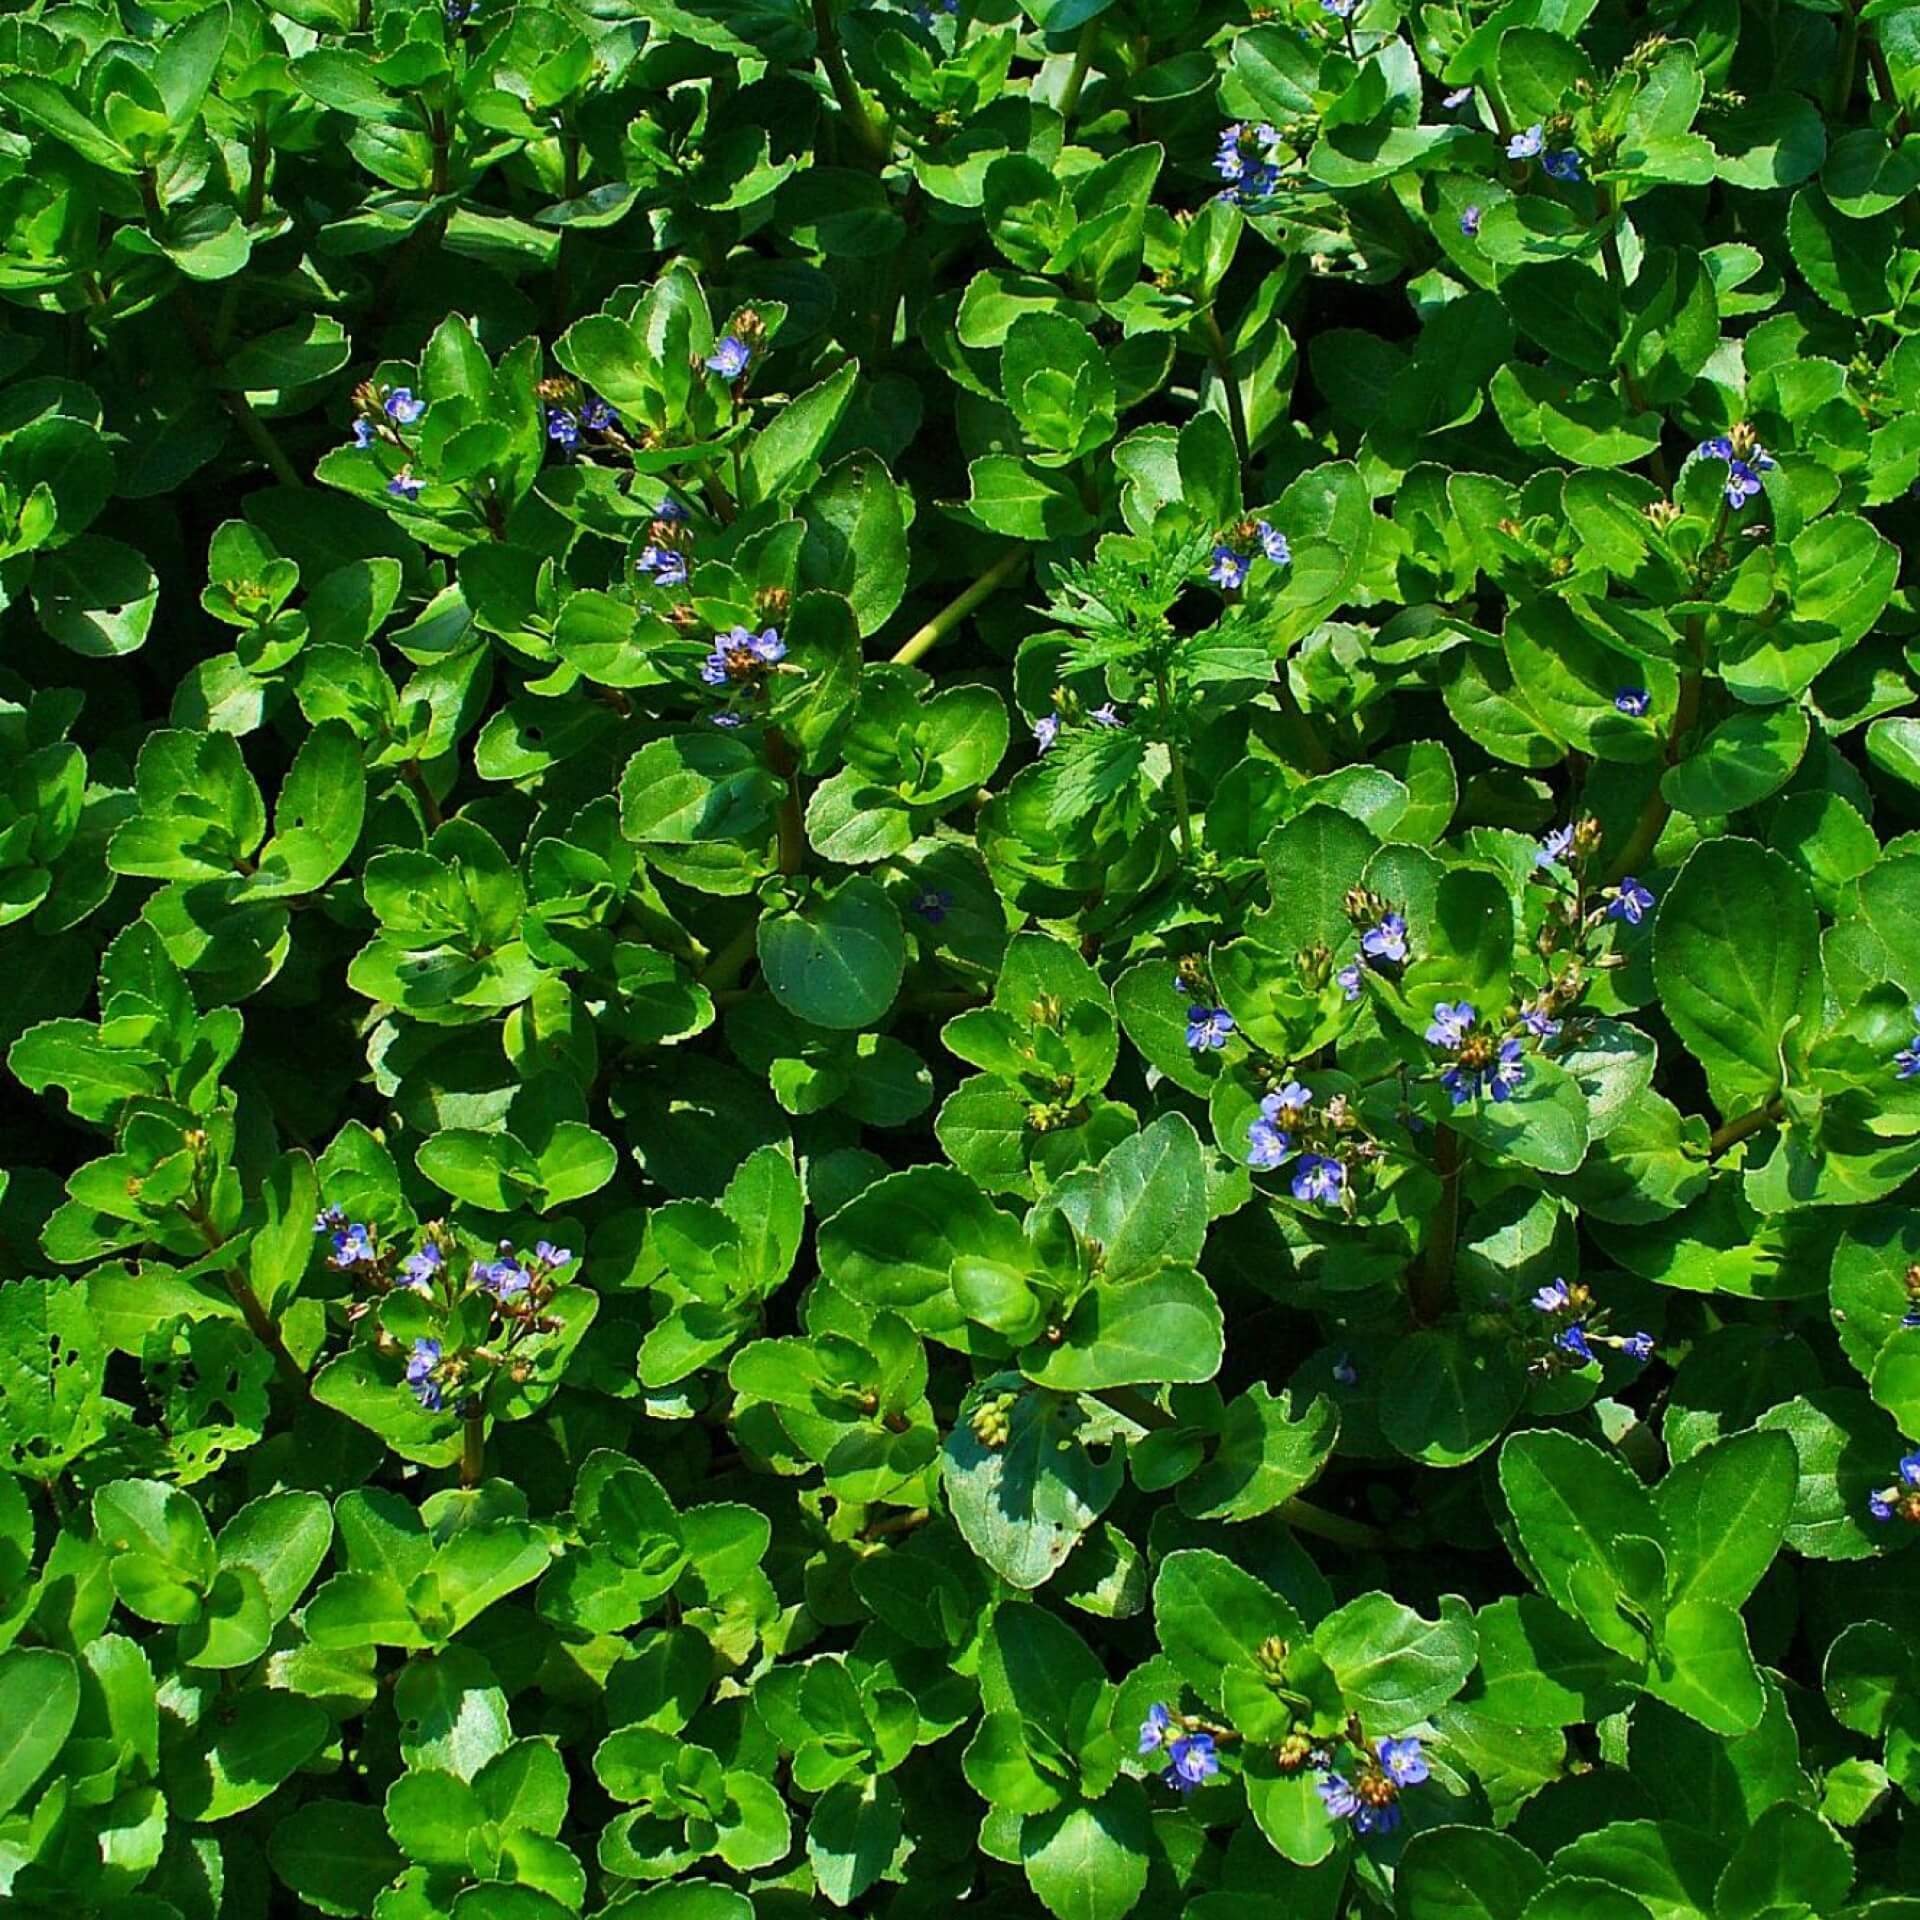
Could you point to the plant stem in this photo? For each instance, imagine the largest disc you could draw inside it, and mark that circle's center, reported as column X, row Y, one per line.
column 1433, row 1278
column 1843, row 61
column 873, row 144
column 1655, row 814
column 950, row 616
column 473, row 1444
column 1182, row 805
column 259, row 1322
column 1884, row 87
column 1236, row 409
column 1744, row 1126
column 1077, row 74
column 793, row 838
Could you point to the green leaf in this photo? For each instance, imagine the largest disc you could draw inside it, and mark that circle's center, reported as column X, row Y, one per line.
column 1725, row 1511
column 39, row 1699
column 838, row 960
column 1088, row 1860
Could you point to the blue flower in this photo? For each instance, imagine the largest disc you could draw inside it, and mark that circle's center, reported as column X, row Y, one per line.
column 1509, row 1071
column 1106, row 716
column 1900, row 1498
column 1338, row 1796
column 668, row 565
column 1229, row 162
column 670, row 509
column 739, row 654
column 1743, row 469
column 403, row 486
column 1470, row 222
column 1637, row 1346
column 1457, row 98
column 502, row 1278
column 1267, row 1146
column 729, row 720
column 1564, row 165
column 1552, row 1298
column 1907, row 1060
column 1319, row 1179
column 1208, row 1028
column 353, row 1247
column 551, row 1257
column 363, row 433
column 1288, row 1105
column 1381, row 1819
column 1273, row 543
column 1540, row 1023
column 402, row 408
column 1350, row 984
column 1229, row 569
column 1880, row 1504
column 595, row 415
column 1634, row 702
column 1344, row 1371
column 729, row 359
column 1153, row 1729
column 1340, row 9
column 1450, row 1023
column 420, row 1270
column 1388, row 940
column 1523, row 146
column 562, row 428
column 1628, row 901
column 1573, row 1340
column 1556, row 847
column 328, row 1219
column 1402, row 1761
column 421, row 1364
column 932, row 905
column 1190, row 1760
column 1046, row 730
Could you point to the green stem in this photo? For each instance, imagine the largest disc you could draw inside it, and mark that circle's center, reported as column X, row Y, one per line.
column 1744, row 1126
column 950, row 616
column 1843, row 62
column 726, row 966
column 868, row 137
column 1655, row 814
column 1077, row 74
column 1182, row 805
column 793, row 838
column 473, row 1444
column 1433, row 1278
column 1236, row 408
column 1883, row 85
column 259, row 1322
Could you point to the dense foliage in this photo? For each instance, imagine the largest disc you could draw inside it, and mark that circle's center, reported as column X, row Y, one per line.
column 959, row 959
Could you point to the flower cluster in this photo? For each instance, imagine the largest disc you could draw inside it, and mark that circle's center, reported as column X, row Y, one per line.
column 1369, row 1796
column 1746, row 461
column 1191, row 1758
column 1901, row 1501
column 1233, row 552
column 1247, row 159
column 1323, row 1138
column 1483, row 1061
column 741, row 658
column 1383, row 939
column 1575, row 1328
column 381, row 417
column 572, row 412
column 1558, row 163
column 664, row 556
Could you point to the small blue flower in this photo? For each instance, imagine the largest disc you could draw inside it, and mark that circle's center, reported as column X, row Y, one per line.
column 1388, row 940
column 729, row 359
column 1555, row 848
column 1345, row 1373
column 420, row 1270
column 562, row 428
column 1229, row 569
column 1190, row 1760
column 1634, row 702
column 551, row 1257
column 1402, row 1761
column 739, row 654
column 1318, row 1179
column 1338, row 1796
column 1046, row 730
column 1457, row 98
column 353, row 1247
column 1340, row 9
column 502, row 1278
column 1287, row 1106
column 1267, row 1146
column 1509, row 1071
column 1564, row 165
column 1273, row 543
column 1899, row 1498
column 729, row 720
column 1349, row 980
column 363, row 433
column 1628, row 901
column 1470, row 222
column 1208, row 1028
column 403, row 486
column 1880, row 1504
column 328, row 1219
column 1377, row 1819
column 1552, row 1299
column 1523, row 146
column 595, row 415
column 1229, row 162
column 1106, row 715
column 1637, row 1346
column 1573, row 1340
column 668, row 565
column 1450, row 1023
column 932, row 905
column 1153, row 1729
column 1743, row 470
column 421, row 1365
column 670, row 509
column 1540, row 1023
column 402, row 408
column 1907, row 1060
